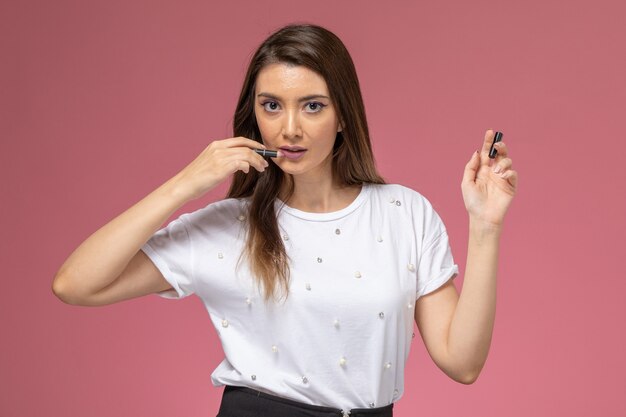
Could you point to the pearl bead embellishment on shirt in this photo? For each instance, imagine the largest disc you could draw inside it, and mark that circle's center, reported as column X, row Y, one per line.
column 395, row 393
column 379, row 239
column 285, row 237
column 337, row 231
column 381, row 315
column 274, row 348
column 342, row 361
column 411, row 267
column 308, row 286
column 305, row 379
column 319, row 260
column 392, row 200
column 398, row 203
column 224, row 323
column 409, row 306
column 220, row 255
column 241, row 217
column 253, row 377
column 372, row 405
column 248, row 301
column 388, row 365
column 336, row 323
column 357, row 274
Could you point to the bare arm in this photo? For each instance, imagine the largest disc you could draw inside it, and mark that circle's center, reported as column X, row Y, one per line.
column 109, row 266
column 457, row 330
column 87, row 276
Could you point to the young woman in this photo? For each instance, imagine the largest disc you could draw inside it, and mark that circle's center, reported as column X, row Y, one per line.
column 312, row 270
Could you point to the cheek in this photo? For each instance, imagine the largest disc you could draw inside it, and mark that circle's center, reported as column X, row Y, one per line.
column 326, row 131
column 267, row 129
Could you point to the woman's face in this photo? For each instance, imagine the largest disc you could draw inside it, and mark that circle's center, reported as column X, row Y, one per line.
column 295, row 114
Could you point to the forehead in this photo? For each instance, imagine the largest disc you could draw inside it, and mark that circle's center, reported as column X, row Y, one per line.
column 285, row 79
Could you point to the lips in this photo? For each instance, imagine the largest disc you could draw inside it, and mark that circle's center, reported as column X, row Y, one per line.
column 292, row 152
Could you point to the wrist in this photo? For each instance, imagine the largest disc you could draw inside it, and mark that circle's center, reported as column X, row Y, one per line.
column 484, row 229
column 176, row 190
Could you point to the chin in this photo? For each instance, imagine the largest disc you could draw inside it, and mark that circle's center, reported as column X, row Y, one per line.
column 304, row 166
column 291, row 170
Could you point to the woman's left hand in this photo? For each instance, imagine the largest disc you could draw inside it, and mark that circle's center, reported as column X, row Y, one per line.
column 489, row 185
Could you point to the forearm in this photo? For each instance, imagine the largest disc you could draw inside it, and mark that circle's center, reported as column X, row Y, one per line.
column 472, row 324
column 102, row 257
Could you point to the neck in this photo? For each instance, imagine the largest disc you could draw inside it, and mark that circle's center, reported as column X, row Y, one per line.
column 319, row 195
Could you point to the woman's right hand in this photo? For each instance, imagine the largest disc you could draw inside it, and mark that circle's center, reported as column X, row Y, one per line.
column 217, row 162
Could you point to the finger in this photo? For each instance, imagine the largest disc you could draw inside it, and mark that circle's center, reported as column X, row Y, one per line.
column 240, row 159
column 243, row 142
column 243, row 166
column 471, row 168
column 257, row 161
column 502, row 165
column 247, row 155
column 484, row 152
column 240, row 149
column 511, row 177
column 254, row 159
column 237, row 165
column 502, row 149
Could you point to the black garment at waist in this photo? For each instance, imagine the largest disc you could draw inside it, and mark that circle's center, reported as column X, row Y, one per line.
column 247, row 402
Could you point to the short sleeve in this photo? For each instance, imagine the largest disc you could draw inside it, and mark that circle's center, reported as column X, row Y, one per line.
column 436, row 265
column 170, row 251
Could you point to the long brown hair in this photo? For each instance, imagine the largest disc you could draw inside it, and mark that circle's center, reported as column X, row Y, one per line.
column 323, row 52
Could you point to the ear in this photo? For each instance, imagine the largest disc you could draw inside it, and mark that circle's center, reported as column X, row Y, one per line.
column 339, row 128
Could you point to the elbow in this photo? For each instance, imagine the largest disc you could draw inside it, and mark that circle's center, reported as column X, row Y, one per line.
column 467, row 379
column 68, row 289
column 467, row 376
column 59, row 289
column 463, row 375
column 62, row 289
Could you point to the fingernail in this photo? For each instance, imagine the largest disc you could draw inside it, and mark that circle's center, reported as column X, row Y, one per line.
column 496, row 169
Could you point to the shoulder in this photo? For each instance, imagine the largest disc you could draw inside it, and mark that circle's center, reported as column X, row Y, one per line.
column 224, row 212
column 399, row 195
column 410, row 206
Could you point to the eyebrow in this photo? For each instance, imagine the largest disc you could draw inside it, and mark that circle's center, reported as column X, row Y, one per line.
column 301, row 99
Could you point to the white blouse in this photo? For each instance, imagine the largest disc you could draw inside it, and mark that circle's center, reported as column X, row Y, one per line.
column 342, row 337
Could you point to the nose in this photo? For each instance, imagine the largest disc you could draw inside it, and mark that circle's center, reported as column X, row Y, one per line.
column 291, row 125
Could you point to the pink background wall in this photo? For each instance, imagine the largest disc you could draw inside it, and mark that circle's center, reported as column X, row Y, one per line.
column 103, row 101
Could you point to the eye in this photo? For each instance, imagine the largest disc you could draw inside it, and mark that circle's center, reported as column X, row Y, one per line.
column 270, row 106
column 314, row 107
